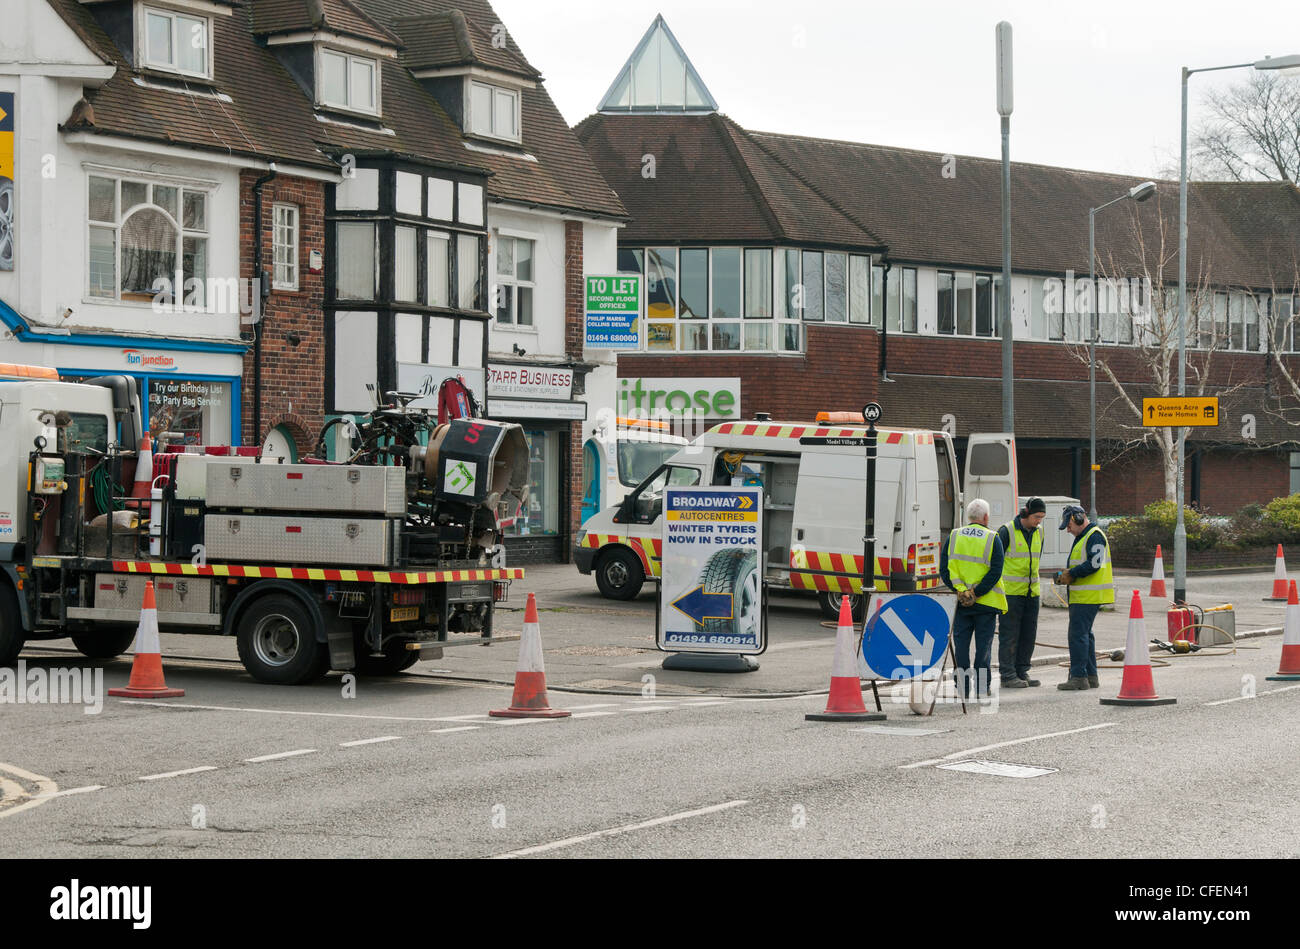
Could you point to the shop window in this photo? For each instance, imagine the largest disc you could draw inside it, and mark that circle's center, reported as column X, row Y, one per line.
column 514, row 302
column 176, row 42
column 284, row 246
column 198, row 410
column 540, row 513
column 661, row 283
column 348, row 82
column 355, row 259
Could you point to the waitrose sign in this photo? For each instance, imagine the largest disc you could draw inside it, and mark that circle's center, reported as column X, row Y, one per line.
column 679, row 396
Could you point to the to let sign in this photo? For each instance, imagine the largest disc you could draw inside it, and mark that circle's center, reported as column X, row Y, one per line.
column 613, row 309
column 1180, row 411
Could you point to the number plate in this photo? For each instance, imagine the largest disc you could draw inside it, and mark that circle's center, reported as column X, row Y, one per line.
column 402, row 613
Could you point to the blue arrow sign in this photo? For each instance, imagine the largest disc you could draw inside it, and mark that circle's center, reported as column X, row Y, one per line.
column 906, row 636
column 700, row 606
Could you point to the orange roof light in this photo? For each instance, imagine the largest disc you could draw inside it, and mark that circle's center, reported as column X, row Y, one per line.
column 657, row 424
column 840, row 418
column 16, row 371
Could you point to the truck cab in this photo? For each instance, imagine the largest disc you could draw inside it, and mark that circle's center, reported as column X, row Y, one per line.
column 620, row 454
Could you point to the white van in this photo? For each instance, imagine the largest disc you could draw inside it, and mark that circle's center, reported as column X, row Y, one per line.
column 814, row 499
column 619, row 455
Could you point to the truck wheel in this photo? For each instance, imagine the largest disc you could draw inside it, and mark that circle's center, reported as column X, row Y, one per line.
column 11, row 626
column 619, row 574
column 396, row 657
column 104, row 645
column 830, row 605
column 736, row 572
column 277, row 642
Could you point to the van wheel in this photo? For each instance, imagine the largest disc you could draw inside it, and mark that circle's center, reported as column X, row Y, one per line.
column 11, row 626
column 619, row 574
column 104, row 645
column 735, row 572
column 830, row 605
column 277, row 642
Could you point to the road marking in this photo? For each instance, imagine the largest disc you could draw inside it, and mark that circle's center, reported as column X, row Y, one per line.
column 591, row 714
column 625, row 829
column 1004, row 744
column 281, row 711
column 999, row 769
column 900, row 730
column 523, row 721
column 444, row 731
column 69, row 791
column 177, row 774
column 369, row 741
column 1242, row 698
column 281, row 754
column 649, row 708
column 702, row 704
column 578, row 708
column 46, row 789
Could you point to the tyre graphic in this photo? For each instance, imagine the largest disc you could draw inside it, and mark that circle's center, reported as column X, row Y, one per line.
column 6, row 224
column 734, row 571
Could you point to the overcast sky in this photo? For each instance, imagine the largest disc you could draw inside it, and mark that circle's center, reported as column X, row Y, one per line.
column 1096, row 84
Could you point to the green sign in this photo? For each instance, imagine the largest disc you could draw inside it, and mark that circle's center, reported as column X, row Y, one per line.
column 613, row 310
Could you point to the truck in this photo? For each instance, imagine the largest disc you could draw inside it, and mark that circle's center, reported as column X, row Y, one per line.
column 367, row 564
column 619, row 454
column 813, row 477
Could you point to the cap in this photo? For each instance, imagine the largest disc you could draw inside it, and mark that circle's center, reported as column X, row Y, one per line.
column 1035, row 506
column 1071, row 510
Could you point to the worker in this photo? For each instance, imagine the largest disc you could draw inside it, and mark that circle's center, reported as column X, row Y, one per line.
column 1091, row 582
column 970, row 564
column 1022, row 542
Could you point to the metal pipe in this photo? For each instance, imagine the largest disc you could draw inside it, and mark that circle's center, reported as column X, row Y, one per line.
column 258, row 298
column 1092, row 368
column 1180, row 528
column 1008, row 380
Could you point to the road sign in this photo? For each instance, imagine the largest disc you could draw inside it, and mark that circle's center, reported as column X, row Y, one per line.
column 1180, row 411
column 906, row 634
column 711, row 589
column 871, row 412
column 833, row 442
column 613, row 311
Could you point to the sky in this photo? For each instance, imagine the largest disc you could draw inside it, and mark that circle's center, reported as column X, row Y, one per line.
column 1096, row 84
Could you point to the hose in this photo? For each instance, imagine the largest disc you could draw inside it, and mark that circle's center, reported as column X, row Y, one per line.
column 103, row 489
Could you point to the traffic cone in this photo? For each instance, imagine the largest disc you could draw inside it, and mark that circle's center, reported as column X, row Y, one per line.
column 530, row 674
column 1279, row 577
column 1158, row 575
column 146, row 668
column 143, row 484
column 1137, row 687
column 1289, row 668
column 844, row 704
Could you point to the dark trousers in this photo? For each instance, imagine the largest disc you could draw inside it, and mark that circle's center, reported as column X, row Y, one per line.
column 1017, row 634
column 981, row 625
column 1083, row 645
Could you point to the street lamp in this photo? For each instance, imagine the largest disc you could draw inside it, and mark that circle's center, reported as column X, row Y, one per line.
column 1138, row 193
column 1180, row 529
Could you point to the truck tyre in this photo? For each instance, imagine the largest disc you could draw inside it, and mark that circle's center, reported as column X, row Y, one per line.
column 277, row 642
column 11, row 626
column 104, row 644
column 734, row 571
column 619, row 575
column 830, row 605
column 396, row 657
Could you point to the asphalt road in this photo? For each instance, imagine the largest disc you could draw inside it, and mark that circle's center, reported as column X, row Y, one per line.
column 707, row 766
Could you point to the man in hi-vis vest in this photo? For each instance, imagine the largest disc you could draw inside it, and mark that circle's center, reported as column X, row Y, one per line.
column 970, row 563
column 1022, row 542
column 1088, row 574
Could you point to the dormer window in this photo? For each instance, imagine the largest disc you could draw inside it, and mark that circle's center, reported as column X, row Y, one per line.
column 175, row 42
column 493, row 111
column 347, row 81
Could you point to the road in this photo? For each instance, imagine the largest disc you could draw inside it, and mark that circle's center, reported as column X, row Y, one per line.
column 412, row 766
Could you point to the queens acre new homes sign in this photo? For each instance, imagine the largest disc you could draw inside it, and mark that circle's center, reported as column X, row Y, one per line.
column 670, row 396
column 613, row 310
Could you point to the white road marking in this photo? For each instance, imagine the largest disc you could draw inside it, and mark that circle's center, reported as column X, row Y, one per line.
column 1004, row 744
column 900, row 730
column 702, row 704
column 369, row 741
column 46, row 789
column 1000, row 769
column 649, row 708
column 444, row 731
column 523, row 721
column 281, row 711
column 177, row 774
column 281, row 754
column 578, row 708
column 69, row 791
column 591, row 714
column 625, row 829
column 1242, row 698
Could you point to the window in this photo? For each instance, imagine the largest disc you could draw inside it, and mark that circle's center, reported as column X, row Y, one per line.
column 859, row 289
column 493, row 111
column 141, row 233
column 469, row 286
column 404, row 265
column 909, row 299
column 437, row 255
column 1295, row 472
column 787, row 277
column 877, row 296
column 355, row 260
column 514, row 302
column 893, row 301
column 694, row 301
column 176, row 42
column 348, row 82
column 965, row 304
column 947, row 324
column 813, row 288
column 984, row 319
column 758, row 285
column 837, row 285
column 284, row 246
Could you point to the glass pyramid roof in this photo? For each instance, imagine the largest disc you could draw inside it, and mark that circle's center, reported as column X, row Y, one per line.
column 658, row 78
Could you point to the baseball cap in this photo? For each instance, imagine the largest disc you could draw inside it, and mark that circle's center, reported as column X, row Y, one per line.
column 1070, row 509
column 1035, row 506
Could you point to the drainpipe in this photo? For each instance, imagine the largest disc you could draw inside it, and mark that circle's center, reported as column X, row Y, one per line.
column 263, row 291
column 884, row 320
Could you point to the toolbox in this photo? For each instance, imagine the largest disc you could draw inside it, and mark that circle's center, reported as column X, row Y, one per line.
column 265, row 538
column 353, row 489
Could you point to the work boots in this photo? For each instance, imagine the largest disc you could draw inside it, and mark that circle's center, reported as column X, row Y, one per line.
column 1094, row 682
column 1074, row 684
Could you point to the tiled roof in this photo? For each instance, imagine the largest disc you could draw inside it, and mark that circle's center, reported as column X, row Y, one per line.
column 441, row 40
column 338, row 16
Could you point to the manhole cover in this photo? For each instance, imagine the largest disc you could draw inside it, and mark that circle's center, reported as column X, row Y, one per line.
column 1000, row 769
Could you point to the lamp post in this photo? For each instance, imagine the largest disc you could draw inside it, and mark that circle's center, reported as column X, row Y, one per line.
column 1138, row 193
column 1180, row 528
column 1005, row 105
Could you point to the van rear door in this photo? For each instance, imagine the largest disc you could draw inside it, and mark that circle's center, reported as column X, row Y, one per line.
column 991, row 474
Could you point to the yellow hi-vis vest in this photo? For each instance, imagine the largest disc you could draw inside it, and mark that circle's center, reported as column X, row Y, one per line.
column 970, row 551
column 1020, row 562
column 1097, row 587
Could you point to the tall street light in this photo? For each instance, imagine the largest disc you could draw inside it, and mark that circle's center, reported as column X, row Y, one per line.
column 1180, row 529
column 1138, row 193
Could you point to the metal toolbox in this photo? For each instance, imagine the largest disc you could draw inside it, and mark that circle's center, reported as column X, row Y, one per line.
column 354, row 489
column 185, row 600
column 338, row 541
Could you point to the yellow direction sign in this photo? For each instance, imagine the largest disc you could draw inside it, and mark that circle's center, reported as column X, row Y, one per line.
column 1179, row 411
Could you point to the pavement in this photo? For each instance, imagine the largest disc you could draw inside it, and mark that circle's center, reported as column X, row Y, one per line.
column 680, row 765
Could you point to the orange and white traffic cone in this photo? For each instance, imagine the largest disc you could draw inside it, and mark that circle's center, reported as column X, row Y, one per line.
column 844, row 703
column 530, row 674
column 1158, row 575
column 142, row 487
column 1279, row 577
column 146, row 669
column 1289, row 668
column 1137, row 686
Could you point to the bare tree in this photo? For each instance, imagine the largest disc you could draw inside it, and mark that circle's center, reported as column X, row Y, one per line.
column 1252, row 132
column 1279, row 315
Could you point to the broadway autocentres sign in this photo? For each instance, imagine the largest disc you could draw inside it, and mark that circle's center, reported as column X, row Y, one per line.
column 529, row 382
